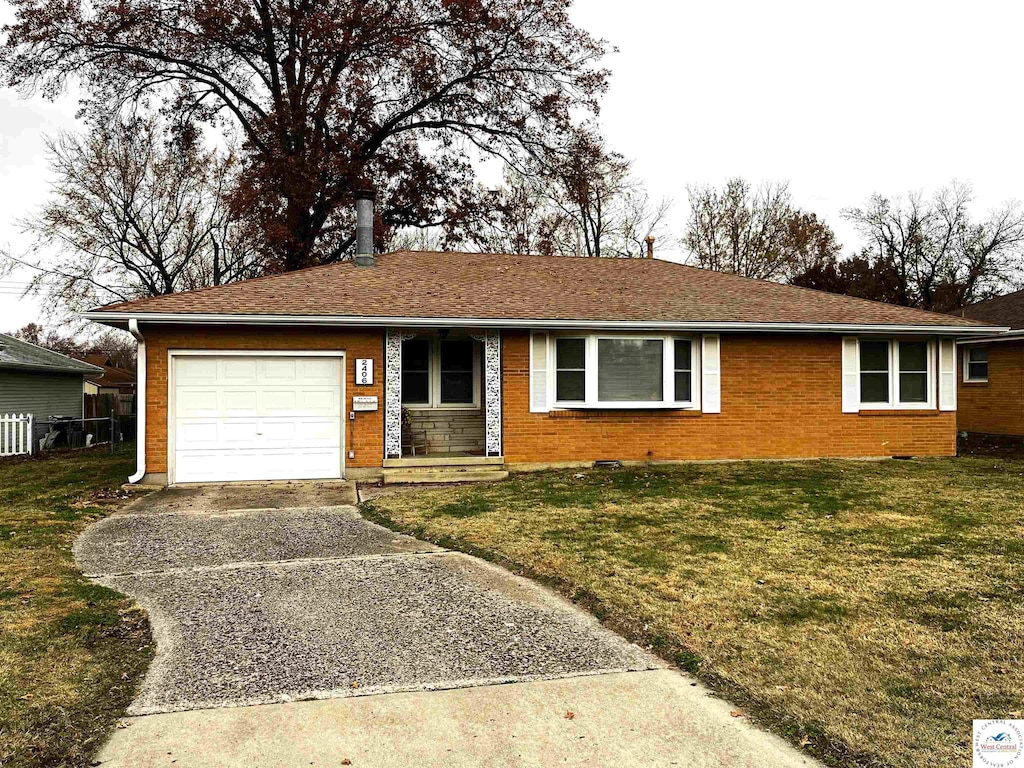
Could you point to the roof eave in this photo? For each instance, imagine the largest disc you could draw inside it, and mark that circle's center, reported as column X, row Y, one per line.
column 7, row 366
column 1016, row 334
column 120, row 319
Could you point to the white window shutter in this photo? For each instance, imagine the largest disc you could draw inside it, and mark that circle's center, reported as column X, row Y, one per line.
column 711, row 374
column 947, row 375
column 539, row 373
column 851, row 375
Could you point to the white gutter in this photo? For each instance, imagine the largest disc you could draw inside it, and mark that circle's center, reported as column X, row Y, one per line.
column 1014, row 335
column 140, row 403
column 112, row 318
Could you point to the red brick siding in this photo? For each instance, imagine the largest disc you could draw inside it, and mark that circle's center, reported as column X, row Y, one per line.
column 997, row 406
column 365, row 437
column 781, row 398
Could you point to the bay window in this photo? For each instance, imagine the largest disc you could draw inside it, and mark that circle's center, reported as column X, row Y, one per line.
column 683, row 367
column 597, row 371
column 630, row 370
column 913, row 358
column 874, row 371
column 896, row 373
column 570, row 370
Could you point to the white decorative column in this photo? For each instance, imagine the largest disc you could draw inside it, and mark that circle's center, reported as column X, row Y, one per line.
column 393, row 392
column 491, row 340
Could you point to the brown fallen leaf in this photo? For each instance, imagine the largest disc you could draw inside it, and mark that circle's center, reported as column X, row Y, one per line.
column 355, row 685
column 346, row 761
column 570, row 715
column 736, row 713
column 805, row 741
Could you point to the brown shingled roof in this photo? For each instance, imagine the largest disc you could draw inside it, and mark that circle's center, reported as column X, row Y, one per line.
column 1007, row 310
column 424, row 284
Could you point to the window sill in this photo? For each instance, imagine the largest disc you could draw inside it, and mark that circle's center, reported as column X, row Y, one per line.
column 976, row 383
column 418, row 408
column 582, row 413
column 901, row 412
column 622, row 407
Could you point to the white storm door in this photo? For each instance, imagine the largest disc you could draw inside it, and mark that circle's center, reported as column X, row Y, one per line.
column 256, row 418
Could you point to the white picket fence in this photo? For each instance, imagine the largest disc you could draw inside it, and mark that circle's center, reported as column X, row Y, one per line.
column 15, row 434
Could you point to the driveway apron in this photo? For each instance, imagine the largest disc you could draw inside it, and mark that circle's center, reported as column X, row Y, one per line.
column 276, row 594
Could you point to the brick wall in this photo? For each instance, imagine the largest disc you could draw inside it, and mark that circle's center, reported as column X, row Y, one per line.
column 449, row 430
column 997, row 406
column 365, row 436
column 781, row 398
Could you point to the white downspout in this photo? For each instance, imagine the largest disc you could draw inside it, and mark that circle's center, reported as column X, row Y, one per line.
column 140, row 403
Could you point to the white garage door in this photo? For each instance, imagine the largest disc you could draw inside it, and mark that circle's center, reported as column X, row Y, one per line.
column 256, row 418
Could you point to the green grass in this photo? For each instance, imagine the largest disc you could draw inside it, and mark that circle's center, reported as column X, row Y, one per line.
column 71, row 652
column 868, row 610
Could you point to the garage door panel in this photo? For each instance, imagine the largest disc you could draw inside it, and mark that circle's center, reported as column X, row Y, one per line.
column 197, row 433
column 279, row 370
column 196, row 402
column 239, row 370
column 257, row 418
column 300, row 401
column 301, row 433
column 319, row 371
column 235, row 465
column 240, row 401
column 196, row 370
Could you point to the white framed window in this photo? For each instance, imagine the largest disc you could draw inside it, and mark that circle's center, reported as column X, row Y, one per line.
column 570, row 370
column 683, row 381
column 440, row 373
column 623, row 371
column 896, row 373
column 976, row 364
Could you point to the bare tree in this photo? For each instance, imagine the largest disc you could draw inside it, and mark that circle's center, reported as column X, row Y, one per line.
column 133, row 213
column 329, row 96
column 579, row 201
column 754, row 232
column 939, row 256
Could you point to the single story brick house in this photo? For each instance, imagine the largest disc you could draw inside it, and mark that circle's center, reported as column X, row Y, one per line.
column 992, row 370
column 495, row 362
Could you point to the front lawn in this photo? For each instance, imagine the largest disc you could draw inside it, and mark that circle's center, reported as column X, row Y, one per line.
column 71, row 652
column 867, row 610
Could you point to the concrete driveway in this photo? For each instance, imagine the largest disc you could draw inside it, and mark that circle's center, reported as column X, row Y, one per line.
column 283, row 593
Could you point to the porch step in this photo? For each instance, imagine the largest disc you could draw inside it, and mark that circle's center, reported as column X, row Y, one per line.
column 444, row 474
column 444, row 461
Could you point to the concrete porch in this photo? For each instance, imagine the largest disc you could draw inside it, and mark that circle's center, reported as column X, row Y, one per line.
column 444, row 468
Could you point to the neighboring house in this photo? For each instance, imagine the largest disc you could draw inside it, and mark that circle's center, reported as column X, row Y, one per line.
column 110, row 380
column 992, row 370
column 37, row 381
column 527, row 361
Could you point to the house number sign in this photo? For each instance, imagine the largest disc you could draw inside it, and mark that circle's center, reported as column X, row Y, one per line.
column 364, row 370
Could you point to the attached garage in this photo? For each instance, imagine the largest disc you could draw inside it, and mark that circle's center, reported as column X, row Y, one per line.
column 255, row 416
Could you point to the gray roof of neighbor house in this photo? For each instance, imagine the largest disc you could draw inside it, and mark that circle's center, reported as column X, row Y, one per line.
column 16, row 354
column 503, row 289
column 1005, row 310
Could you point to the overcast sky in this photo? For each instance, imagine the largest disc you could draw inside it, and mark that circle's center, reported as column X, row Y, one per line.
column 840, row 99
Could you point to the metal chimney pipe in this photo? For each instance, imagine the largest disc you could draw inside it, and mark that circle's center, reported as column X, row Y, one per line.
column 364, row 228
column 650, row 246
